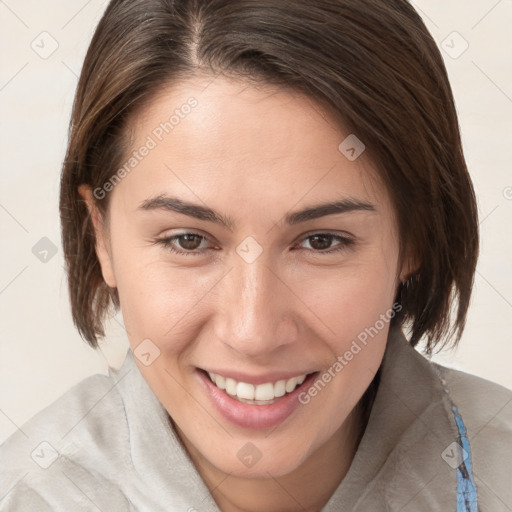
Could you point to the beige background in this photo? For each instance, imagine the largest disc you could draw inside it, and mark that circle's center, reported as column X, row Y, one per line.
column 41, row 353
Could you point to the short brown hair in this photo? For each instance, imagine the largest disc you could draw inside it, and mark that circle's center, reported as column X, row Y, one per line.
column 373, row 63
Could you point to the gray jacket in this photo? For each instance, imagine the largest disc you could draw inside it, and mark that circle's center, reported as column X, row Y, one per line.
column 437, row 440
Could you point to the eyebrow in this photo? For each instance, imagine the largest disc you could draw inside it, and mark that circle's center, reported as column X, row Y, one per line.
column 197, row 211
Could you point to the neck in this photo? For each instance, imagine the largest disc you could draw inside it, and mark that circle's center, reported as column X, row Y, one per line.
column 307, row 488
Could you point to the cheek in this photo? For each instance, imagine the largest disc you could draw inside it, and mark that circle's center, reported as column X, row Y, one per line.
column 158, row 302
column 355, row 307
column 351, row 299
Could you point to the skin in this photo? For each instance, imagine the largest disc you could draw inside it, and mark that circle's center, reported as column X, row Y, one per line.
column 253, row 155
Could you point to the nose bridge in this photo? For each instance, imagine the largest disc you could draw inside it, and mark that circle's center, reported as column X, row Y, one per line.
column 254, row 312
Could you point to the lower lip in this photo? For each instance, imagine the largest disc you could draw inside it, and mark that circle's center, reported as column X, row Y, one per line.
column 253, row 416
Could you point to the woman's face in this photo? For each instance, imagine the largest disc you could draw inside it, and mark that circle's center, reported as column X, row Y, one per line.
column 271, row 282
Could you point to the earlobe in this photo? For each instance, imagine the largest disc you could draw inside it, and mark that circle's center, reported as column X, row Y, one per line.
column 410, row 267
column 102, row 242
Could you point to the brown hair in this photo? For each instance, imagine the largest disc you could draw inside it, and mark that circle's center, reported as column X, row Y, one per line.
column 373, row 63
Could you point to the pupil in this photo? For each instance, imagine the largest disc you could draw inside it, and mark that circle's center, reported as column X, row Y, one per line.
column 324, row 242
column 188, row 242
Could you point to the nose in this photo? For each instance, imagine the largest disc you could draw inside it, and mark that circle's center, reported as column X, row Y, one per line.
column 255, row 316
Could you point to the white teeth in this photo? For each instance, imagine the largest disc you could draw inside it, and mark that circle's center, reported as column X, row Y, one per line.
column 230, row 386
column 244, row 390
column 279, row 388
column 290, row 384
column 220, row 382
column 260, row 394
column 264, row 391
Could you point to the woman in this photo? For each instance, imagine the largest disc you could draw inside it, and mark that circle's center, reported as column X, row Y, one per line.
column 272, row 193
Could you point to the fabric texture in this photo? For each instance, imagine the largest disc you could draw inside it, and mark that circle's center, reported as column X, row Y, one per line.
column 436, row 440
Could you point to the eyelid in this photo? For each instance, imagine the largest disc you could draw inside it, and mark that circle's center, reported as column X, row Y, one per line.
column 334, row 233
column 167, row 240
column 183, row 232
column 346, row 241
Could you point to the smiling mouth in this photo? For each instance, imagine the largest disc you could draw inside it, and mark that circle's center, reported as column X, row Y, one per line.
column 259, row 394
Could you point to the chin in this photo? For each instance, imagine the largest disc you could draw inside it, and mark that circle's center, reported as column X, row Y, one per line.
column 264, row 457
column 267, row 466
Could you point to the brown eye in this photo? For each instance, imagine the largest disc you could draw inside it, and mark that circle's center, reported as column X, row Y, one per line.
column 326, row 243
column 321, row 242
column 189, row 241
column 187, row 244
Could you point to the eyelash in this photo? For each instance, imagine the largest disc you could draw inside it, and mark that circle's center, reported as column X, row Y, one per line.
column 167, row 242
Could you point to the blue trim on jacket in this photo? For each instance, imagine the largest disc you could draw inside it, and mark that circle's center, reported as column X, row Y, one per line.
column 467, row 497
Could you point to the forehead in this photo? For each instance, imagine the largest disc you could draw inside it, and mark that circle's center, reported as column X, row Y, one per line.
column 228, row 137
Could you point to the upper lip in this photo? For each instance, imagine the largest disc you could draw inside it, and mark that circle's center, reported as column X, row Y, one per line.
column 258, row 379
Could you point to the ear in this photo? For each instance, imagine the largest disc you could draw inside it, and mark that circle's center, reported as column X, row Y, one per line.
column 410, row 267
column 102, row 246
